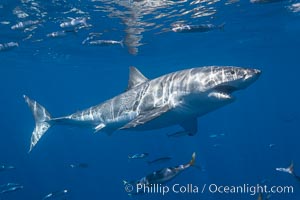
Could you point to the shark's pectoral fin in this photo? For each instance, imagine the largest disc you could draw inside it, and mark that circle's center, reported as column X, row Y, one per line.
column 99, row 127
column 190, row 126
column 145, row 117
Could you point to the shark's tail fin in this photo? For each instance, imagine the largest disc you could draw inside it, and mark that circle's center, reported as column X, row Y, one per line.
column 192, row 162
column 42, row 121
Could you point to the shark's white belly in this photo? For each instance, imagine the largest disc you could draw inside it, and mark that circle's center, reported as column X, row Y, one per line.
column 175, row 116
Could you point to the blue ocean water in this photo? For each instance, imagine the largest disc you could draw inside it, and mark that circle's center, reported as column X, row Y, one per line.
column 256, row 134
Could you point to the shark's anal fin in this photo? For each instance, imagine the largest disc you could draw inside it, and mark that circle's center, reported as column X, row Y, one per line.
column 190, row 126
column 135, row 78
column 145, row 117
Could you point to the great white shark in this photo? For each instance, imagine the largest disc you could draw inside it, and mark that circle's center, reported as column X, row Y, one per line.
column 176, row 98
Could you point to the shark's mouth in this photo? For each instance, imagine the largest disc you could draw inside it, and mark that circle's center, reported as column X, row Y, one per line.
column 225, row 89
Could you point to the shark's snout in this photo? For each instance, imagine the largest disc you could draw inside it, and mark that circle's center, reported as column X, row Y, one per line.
column 251, row 74
column 236, row 79
column 254, row 72
column 257, row 71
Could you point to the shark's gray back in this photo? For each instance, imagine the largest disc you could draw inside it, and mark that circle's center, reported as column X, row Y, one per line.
column 142, row 98
column 146, row 96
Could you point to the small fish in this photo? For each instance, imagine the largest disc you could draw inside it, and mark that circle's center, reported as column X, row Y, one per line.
column 264, row 181
column 217, row 135
column 265, row 1
column 9, row 185
column 294, row 7
column 162, row 176
column 216, row 145
column 56, row 34
column 28, row 37
column 80, row 165
column 74, row 10
column 213, row 135
column 11, row 188
column 271, row 145
column 60, row 33
column 74, row 22
column 56, row 194
column 95, row 34
column 289, row 170
column 5, row 22
column 8, row 46
column 25, row 24
column 138, row 156
column 91, row 37
column 159, row 160
column 6, row 167
column 184, row 28
column 106, row 43
column 30, row 29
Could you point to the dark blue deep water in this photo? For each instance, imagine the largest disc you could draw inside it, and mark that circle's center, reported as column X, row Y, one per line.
column 256, row 134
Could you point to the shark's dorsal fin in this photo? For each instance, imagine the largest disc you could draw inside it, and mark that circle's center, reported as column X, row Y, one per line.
column 135, row 78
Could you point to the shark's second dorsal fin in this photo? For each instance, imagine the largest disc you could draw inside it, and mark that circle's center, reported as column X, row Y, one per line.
column 135, row 78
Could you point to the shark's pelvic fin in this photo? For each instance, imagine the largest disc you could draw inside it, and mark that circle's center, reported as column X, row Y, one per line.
column 190, row 126
column 42, row 121
column 143, row 118
column 135, row 78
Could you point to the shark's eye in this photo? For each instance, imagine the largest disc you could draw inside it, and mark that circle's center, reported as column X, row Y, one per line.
column 232, row 72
